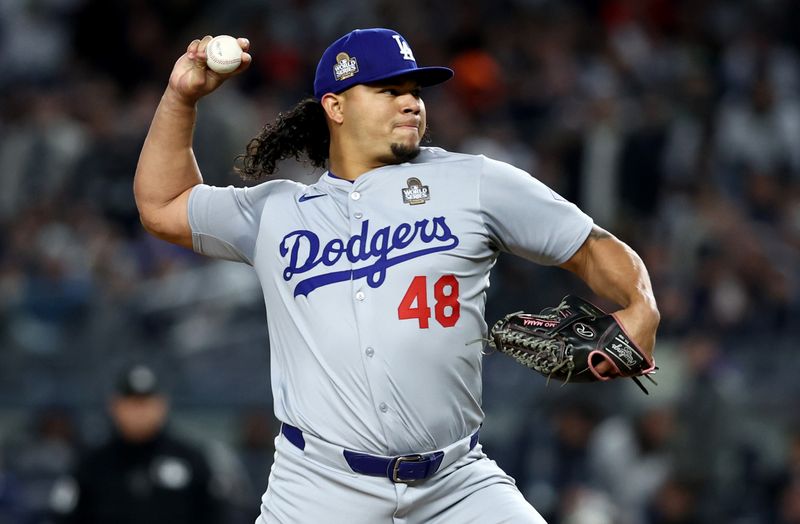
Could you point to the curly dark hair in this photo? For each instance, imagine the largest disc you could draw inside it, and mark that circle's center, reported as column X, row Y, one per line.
column 300, row 133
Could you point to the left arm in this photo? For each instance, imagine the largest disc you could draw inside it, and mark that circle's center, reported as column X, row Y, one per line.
column 614, row 271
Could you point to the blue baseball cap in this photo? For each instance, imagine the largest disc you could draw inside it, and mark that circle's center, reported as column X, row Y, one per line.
column 369, row 55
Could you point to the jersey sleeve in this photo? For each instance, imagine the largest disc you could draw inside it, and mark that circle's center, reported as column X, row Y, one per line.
column 225, row 221
column 525, row 217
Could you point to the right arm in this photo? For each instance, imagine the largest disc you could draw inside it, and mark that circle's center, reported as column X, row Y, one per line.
column 167, row 169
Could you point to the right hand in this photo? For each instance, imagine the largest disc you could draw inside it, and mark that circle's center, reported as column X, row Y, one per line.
column 191, row 79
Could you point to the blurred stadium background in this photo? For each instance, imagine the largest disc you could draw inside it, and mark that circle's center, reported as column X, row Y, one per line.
column 675, row 124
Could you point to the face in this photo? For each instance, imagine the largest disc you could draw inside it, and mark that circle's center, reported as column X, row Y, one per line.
column 384, row 121
column 138, row 419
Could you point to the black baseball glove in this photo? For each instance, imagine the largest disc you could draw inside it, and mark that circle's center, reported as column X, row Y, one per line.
column 568, row 341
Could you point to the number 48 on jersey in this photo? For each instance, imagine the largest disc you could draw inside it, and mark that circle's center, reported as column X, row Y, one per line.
column 446, row 309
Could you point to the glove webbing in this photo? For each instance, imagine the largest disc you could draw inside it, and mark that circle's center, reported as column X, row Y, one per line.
column 537, row 354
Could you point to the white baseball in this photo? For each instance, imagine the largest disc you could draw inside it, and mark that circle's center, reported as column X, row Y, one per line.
column 223, row 54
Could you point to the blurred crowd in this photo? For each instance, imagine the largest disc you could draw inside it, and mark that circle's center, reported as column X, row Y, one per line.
column 674, row 123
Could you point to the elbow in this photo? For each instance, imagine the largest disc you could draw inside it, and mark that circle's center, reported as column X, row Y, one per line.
column 168, row 220
column 163, row 225
column 149, row 223
column 153, row 223
column 649, row 309
column 655, row 314
column 647, row 299
column 146, row 215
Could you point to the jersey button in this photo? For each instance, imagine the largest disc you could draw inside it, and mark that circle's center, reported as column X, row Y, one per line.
column 370, row 352
column 358, row 215
column 355, row 195
column 383, row 407
column 360, row 296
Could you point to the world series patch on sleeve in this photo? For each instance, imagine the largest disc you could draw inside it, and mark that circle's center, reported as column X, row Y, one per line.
column 569, row 341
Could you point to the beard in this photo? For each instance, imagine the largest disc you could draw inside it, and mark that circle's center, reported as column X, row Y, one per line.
column 404, row 153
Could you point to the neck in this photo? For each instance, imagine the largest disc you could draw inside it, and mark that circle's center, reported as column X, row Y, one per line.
column 348, row 163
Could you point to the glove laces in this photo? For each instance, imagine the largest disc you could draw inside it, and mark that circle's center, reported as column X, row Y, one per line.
column 540, row 354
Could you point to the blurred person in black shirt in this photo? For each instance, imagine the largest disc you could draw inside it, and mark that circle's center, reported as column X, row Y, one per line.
column 143, row 474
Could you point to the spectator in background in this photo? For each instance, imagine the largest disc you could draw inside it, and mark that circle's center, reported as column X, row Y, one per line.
column 557, row 474
column 675, row 502
column 757, row 134
column 143, row 474
column 630, row 458
column 39, row 458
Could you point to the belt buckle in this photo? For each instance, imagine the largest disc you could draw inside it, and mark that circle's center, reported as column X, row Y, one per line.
column 396, row 468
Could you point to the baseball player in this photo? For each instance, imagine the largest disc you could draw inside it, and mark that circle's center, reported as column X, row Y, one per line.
column 374, row 278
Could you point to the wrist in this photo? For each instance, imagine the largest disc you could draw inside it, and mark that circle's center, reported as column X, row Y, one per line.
column 646, row 311
column 174, row 101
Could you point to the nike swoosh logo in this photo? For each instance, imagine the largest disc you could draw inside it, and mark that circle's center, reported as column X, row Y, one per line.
column 309, row 197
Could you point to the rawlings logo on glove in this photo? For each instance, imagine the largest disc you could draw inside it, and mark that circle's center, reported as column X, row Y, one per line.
column 568, row 341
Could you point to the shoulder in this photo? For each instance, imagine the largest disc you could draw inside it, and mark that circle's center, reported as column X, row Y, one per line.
column 461, row 168
column 478, row 163
column 437, row 155
column 273, row 188
column 262, row 189
column 245, row 197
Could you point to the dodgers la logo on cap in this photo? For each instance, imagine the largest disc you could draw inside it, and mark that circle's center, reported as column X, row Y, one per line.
column 370, row 55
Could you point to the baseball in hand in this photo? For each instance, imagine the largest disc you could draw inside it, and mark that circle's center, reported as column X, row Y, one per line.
column 223, row 54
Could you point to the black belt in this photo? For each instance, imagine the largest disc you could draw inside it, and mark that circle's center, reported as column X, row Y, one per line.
column 404, row 468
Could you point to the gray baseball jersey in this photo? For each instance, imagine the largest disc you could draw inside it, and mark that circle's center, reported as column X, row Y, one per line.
column 373, row 288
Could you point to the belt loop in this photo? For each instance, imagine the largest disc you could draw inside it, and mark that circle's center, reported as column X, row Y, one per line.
column 474, row 440
column 293, row 435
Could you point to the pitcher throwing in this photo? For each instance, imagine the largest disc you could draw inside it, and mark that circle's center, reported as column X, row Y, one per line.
column 374, row 279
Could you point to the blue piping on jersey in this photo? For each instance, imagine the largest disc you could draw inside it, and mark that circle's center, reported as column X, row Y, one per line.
column 330, row 174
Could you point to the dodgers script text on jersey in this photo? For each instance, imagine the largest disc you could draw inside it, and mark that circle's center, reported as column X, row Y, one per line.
column 303, row 251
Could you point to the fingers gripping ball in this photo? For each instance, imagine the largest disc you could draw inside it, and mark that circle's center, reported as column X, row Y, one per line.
column 223, row 54
column 566, row 343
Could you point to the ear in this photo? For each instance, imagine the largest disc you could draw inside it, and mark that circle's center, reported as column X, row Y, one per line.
column 334, row 107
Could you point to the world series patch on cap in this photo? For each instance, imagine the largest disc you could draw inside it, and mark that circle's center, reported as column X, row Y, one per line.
column 363, row 56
